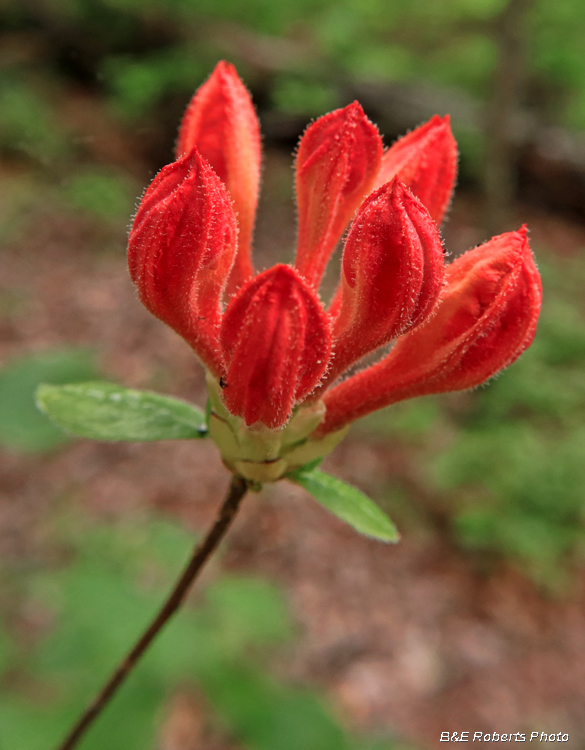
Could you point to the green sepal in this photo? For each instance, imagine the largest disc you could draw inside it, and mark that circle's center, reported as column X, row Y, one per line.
column 106, row 411
column 346, row 502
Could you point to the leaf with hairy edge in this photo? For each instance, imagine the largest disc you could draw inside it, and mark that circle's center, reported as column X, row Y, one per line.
column 347, row 503
column 106, row 411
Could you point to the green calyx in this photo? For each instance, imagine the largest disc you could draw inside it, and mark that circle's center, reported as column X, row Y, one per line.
column 260, row 454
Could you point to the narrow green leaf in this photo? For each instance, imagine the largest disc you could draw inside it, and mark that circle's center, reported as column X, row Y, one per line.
column 106, row 411
column 347, row 503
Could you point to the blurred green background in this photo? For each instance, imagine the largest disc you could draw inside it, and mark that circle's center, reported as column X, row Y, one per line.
column 91, row 92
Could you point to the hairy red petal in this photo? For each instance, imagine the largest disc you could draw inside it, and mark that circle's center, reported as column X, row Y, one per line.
column 338, row 159
column 392, row 274
column 425, row 161
column 276, row 341
column 181, row 250
column 486, row 318
column 222, row 123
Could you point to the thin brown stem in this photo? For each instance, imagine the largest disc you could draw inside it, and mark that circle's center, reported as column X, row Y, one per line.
column 201, row 554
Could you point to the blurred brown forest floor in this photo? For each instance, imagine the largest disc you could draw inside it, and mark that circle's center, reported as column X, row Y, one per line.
column 417, row 637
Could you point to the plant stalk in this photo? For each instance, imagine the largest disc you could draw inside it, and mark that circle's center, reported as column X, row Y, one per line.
column 201, row 554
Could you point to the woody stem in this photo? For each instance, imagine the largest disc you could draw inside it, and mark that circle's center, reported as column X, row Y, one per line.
column 201, row 554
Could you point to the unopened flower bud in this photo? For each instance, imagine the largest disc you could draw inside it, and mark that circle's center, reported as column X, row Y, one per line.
column 181, row 250
column 486, row 318
column 337, row 162
column 425, row 161
column 392, row 273
column 276, row 341
column 222, row 123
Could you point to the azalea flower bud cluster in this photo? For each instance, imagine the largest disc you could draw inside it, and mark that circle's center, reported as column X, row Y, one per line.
column 276, row 358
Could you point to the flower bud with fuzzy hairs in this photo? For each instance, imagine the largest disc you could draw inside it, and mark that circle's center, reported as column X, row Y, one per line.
column 274, row 356
column 276, row 341
column 181, row 250
column 425, row 161
column 337, row 162
column 391, row 274
column 222, row 123
column 485, row 319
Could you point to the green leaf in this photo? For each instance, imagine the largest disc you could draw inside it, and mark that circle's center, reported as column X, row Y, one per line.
column 347, row 503
column 105, row 411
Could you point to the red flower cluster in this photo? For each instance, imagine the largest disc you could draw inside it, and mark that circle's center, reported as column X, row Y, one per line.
column 274, row 346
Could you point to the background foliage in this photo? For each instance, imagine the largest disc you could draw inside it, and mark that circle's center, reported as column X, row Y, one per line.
column 144, row 57
column 222, row 647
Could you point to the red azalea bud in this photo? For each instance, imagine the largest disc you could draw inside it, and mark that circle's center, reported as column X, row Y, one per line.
column 181, row 250
column 276, row 341
column 337, row 161
column 392, row 274
column 222, row 123
column 485, row 319
column 425, row 161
